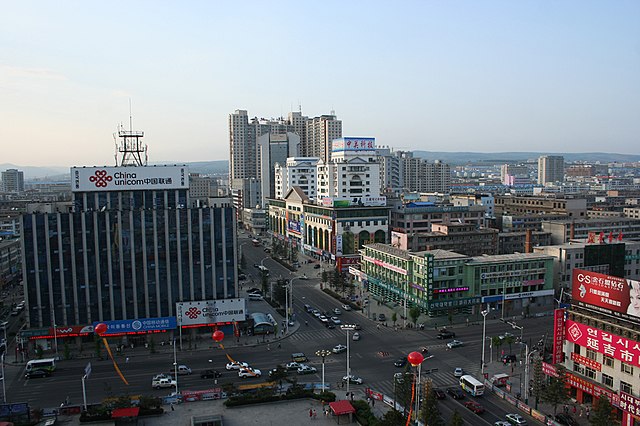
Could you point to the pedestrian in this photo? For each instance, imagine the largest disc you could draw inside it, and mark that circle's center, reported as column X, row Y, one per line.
column 588, row 412
column 310, row 413
column 315, row 414
column 126, row 361
column 580, row 411
column 172, row 407
column 566, row 409
column 574, row 409
column 268, row 347
column 373, row 402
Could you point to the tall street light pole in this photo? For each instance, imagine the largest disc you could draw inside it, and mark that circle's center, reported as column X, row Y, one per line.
column 347, row 327
column 323, row 353
column 175, row 364
column 4, row 392
column 504, row 296
column 484, row 335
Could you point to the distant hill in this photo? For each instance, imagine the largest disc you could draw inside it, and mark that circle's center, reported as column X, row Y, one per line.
column 510, row 157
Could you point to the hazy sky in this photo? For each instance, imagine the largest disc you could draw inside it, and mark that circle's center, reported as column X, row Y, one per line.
column 550, row 76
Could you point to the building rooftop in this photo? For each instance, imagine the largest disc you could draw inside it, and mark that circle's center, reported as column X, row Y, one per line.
column 515, row 257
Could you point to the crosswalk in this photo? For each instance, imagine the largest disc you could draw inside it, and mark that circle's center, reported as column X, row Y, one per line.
column 441, row 378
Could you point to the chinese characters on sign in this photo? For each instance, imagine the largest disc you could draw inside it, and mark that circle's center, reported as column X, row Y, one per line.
column 587, row 362
column 630, row 403
column 558, row 336
column 620, row 348
column 605, row 293
column 592, row 389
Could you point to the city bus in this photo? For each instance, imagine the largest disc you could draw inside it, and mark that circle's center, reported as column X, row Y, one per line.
column 471, row 385
column 48, row 364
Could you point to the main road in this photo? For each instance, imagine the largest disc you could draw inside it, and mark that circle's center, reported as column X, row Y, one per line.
column 372, row 357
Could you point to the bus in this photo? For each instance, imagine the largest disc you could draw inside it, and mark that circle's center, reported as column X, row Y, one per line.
column 471, row 385
column 48, row 364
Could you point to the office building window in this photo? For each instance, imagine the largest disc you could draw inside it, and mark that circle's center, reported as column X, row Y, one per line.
column 607, row 380
column 591, row 354
column 626, row 387
column 626, row 368
column 590, row 373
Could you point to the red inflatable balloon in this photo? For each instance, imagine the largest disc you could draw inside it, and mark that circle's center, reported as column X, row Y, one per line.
column 217, row 336
column 415, row 358
column 100, row 328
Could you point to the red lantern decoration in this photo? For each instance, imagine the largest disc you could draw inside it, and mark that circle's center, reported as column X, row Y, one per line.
column 217, row 336
column 415, row 358
column 100, row 328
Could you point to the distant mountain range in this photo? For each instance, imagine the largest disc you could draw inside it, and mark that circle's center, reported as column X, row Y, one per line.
column 458, row 158
column 453, row 158
column 55, row 173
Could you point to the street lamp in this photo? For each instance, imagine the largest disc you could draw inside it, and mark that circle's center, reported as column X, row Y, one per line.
column 175, row 364
column 526, row 372
column 4, row 392
column 347, row 327
column 484, row 334
column 323, row 353
column 504, row 295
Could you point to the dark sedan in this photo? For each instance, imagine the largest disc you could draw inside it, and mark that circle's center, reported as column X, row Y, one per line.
column 439, row 393
column 210, row 374
column 455, row 393
column 37, row 374
column 401, row 362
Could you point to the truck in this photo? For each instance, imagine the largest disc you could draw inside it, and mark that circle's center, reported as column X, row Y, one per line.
column 499, row 379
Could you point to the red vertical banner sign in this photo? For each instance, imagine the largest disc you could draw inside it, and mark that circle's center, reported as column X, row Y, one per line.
column 558, row 336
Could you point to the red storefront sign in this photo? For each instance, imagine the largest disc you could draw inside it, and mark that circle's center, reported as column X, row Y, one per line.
column 549, row 370
column 592, row 389
column 629, row 403
column 558, row 336
column 620, row 348
column 587, row 362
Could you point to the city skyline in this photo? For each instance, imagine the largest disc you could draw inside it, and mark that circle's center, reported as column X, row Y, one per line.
column 485, row 77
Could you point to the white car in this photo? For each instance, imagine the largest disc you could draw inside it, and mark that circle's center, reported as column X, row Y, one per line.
column 516, row 419
column 249, row 372
column 454, row 344
column 163, row 383
column 336, row 320
column 501, row 423
column 337, row 349
column 306, row 369
column 292, row 366
column 235, row 365
column 346, row 307
column 353, row 379
column 458, row 372
column 337, row 311
column 356, row 336
column 162, row 376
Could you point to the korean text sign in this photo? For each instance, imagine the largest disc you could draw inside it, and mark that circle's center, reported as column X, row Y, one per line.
column 620, row 348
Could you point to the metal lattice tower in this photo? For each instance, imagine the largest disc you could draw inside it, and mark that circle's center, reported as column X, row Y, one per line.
column 131, row 150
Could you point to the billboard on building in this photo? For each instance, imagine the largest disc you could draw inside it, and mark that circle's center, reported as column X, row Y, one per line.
column 374, row 201
column 612, row 345
column 336, row 202
column 610, row 295
column 92, row 179
column 140, row 325
column 210, row 311
column 353, row 144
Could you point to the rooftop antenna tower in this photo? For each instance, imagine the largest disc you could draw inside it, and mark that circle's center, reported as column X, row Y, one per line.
column 130, row 147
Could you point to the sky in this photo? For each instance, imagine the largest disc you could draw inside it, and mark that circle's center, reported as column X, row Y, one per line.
column 482, row 76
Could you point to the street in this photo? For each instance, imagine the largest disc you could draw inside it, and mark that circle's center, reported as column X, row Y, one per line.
column 372, row 357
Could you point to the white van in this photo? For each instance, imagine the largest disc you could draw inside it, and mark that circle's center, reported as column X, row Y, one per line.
column 255, row 296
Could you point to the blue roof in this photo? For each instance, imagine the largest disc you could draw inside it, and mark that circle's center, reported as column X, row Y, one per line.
column 421, row 204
